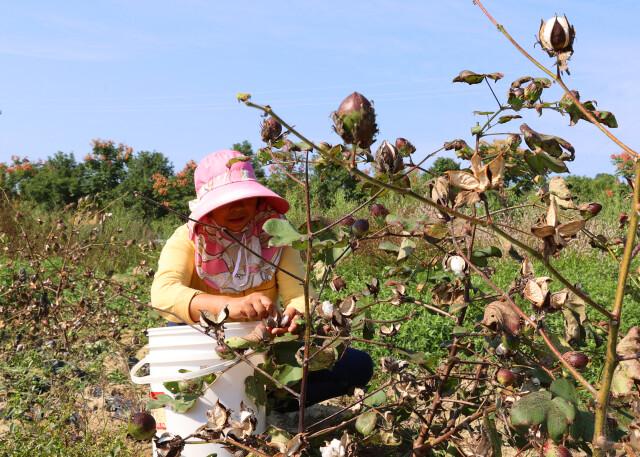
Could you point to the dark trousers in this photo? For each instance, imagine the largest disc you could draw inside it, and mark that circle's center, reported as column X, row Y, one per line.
column 353, row 369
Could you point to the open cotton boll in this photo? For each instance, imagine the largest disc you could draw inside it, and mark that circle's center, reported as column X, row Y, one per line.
column 327, row 308
column 333, row 449
column 555, row 34
column 457, row 265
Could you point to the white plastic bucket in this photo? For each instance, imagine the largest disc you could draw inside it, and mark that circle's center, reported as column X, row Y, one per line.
column 176, row 348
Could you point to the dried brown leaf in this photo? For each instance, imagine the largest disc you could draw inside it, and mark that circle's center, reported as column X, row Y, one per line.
column 570, row 229
column 526, row 269
column 496, row 168
column 499, row 315
column 535, row 293
column 558, row 299
column 463, row 180
column 552, row 213
column 440, row 190
column 543, row 231
column 217, row 417
column 476, row 165
column 558, row 188
column 466, row 198
column 448, row 294
column 629, row 346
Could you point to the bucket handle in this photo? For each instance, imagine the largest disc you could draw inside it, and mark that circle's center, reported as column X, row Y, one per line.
column 177, row 376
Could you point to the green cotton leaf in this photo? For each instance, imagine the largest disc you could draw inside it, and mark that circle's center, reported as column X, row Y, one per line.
column 238, row 343
column 408, row 224
column 542, row 375
column 479, row 256
column 243, row 97
column 470, row 77
column 544, row 82
column 263, row 155
column 553, row 145
column 430, row 362
column 484, row 253
column 159, row 402
column 172, row 386
column 282, row 233
column 331, row 255
column 531, row 409
column 278, row 436
column 366, row 422
column 553, row 164
column 567, row 408
column 180, row 404
column 368, row 329
column 541, row 162
column 286, row 338
column 288, row 374
column 436, row 232
column 495, row 439
column 505, row 119
column 583, row 426
column 230, row 162
column 376, row 399
column 285, row 353
column 406, row 249
column 560, row 415
column 254, row 387
column 607, row 118
column 563, row 388
column 183, row 402
column 515, row 102
column 389, row 246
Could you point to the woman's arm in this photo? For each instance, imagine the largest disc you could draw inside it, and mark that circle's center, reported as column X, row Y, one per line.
column 290, row 289
column 251, row 307
column 171, row 289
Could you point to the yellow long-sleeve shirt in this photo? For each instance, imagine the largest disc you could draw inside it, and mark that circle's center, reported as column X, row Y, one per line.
column 176, row 281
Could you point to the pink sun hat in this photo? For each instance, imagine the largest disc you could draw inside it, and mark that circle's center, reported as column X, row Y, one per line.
column 220, row 180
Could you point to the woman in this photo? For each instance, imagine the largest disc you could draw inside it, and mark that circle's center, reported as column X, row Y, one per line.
column 202, row 267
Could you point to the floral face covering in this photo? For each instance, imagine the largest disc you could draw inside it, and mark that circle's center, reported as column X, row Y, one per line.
column 227, row 266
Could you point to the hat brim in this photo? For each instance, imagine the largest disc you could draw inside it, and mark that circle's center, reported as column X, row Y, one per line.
column 234, row 191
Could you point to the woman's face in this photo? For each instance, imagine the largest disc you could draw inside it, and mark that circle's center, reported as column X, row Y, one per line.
column 235, row 215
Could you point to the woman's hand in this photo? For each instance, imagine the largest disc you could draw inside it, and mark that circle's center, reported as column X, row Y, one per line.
column 288, row 320
column 252, row 307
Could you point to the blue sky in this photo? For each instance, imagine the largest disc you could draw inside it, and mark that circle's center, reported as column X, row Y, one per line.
column 162, row 75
